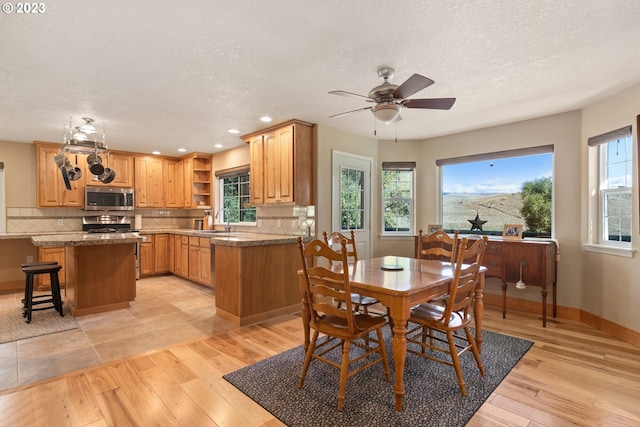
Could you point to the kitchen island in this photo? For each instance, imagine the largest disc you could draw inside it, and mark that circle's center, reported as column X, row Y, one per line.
column 255, row 276
column 100, row 269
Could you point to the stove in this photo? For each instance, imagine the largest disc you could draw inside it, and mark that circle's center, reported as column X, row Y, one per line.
column 107, row 224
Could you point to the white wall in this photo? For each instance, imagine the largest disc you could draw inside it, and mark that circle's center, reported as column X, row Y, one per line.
column 610, row 284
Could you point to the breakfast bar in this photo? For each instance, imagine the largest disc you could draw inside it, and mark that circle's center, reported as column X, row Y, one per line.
column 100, row 269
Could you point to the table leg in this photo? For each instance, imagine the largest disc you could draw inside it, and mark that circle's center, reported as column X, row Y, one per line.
column 399, row 321
column 478, row 310
column 543, row 291
column 503, row 285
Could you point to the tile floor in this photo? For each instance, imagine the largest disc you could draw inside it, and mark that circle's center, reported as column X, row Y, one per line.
column 167, row 310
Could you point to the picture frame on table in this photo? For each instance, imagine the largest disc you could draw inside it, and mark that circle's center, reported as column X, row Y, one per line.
column 432, row 228
column 512, row 231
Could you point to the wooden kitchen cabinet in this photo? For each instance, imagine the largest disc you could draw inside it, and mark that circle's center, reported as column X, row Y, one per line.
column 50, row 253
column 149, row 185
column 256, row 167
column 182, row 256
column 198, row 186
column 173, row 177
column 154, row 254
column 200, row 260
column 171, row 253
column 50, row 188
column 281, row 164
column 146, row 255
column 122, row 164
column 160, row 253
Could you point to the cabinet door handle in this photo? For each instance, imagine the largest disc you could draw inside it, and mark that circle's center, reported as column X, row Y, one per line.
column 494, row 264
column 493, row 248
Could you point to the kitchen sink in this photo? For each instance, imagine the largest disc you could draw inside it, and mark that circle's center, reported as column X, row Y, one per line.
column 213, row 231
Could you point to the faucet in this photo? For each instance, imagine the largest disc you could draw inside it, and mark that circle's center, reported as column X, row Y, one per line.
column 227, row 227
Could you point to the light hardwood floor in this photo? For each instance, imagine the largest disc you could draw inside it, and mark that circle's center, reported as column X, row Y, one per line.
column 573, row 375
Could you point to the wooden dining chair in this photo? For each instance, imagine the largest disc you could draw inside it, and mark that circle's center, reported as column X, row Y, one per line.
column 437, row 245
column 333, row 241
column 456, row 315
column 342, row 327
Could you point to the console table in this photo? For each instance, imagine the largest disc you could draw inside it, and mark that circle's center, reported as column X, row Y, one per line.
column 538, row 257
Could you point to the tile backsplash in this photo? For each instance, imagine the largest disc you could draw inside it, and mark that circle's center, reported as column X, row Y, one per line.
column 289, row 220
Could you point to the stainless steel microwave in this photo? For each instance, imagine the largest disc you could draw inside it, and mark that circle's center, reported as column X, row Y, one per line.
column 108, row 199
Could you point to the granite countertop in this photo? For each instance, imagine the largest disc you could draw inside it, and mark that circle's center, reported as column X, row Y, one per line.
column 233, row 238
column 81, row 238
column 85, row 239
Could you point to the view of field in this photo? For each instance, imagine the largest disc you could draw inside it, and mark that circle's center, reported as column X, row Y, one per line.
column 496, row 209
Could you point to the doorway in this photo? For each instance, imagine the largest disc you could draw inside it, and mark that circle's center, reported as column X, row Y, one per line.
column 351, row 198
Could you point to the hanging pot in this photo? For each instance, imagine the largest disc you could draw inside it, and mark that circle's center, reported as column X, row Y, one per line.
column 107, row 176
column 74, row 173
column 95, row 164
column 65, row 177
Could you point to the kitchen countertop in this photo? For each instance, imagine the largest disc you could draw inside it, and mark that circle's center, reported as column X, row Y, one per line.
column 85, row 239
column 82, row 238
column 233, row 238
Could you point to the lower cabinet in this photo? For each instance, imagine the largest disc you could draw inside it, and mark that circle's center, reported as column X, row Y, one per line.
column 160, row 253
column 154, row 254
column 200, row 260
column 146, row 255
column 52, row 253
column 185, row 256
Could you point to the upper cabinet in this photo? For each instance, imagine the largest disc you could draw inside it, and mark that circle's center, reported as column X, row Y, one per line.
column 282, row 164
column 173, row 172
column 198, row 189
column 122, row 164
column 149, row 188
column 50, row 188
column 159, row 182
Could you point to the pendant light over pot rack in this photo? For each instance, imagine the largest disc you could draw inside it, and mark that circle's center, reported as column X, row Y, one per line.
column 86, row 140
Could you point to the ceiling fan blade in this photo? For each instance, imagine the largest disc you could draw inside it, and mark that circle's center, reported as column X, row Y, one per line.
column 412, row 85
column 350, row 95
column 350, row 112
column 434, row 103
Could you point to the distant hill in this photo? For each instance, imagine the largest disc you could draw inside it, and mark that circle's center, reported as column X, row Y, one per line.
column 497, row 209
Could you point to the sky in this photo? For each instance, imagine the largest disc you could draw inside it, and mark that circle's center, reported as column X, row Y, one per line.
column 505, row 176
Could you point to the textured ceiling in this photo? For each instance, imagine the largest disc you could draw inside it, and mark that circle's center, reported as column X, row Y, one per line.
column 168, row 74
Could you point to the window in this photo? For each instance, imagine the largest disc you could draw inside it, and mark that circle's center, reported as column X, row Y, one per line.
column 615, row 154
column 352, row 199
column 397, row 197
column 506, row 187
column 235, row 196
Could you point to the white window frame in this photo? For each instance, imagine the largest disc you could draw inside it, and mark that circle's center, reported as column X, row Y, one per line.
column 221, row 176
column 404, row 167
column 604, row 191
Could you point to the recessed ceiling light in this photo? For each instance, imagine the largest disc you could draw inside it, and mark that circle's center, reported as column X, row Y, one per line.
column 155, row 152
column 265, row 119
column 182, row 150
column 234, row 131
column 218, row 146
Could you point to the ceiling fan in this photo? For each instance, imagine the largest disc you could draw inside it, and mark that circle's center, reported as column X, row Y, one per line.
column 390, row 99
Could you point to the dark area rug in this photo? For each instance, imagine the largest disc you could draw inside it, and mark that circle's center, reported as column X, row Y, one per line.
column 432, row 396
column 13, row 326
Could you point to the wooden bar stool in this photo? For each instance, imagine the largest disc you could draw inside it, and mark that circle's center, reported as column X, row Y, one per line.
column 26, row 287
column 31, row 270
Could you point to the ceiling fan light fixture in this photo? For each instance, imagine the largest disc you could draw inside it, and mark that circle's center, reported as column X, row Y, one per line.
column 386, row 113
